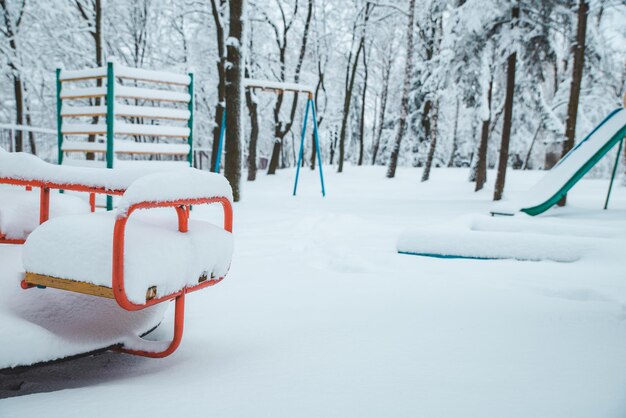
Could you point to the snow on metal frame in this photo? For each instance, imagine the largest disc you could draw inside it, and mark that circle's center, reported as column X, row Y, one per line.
column 126, row 92
column 127, row 147
column 276, row 85
column 126, row 129
column 126, row 110
column 126, row 72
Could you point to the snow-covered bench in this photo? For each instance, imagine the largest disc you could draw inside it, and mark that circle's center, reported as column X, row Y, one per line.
column 141, row 260
column 154, row 256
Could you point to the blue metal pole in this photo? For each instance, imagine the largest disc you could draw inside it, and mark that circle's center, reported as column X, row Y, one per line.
column 218, row 160
column 304, row 122
column 619, row 153
column 317, row 145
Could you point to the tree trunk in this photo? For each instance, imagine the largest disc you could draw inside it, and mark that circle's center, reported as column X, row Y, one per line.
column 362, row 121
column 97, row 38
column 349, row 89
column 508, row 118
column 481, row 158
column 254, row 134
column 333, row 147
column 19, row 112
column 234, row 102
column 455, row 130
column 381, row 114
column 18, row 91
column 320, row 119
column 31, row 134
column 346, row 107
column 404, row 105
column 577, row 76
column 221, row 83
column 433, row 142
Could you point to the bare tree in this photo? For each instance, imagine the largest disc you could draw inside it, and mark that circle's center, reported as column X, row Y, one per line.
column 486, row 112
column 362, row 118
column 282, row 129
column 10, row 29
column 508, row 115
column 455, row 132
column 251, row 103
column 404, row 104
column 351, row 67
column 91, row 12
column 217, row 11
column 577, row 76
column 387, row 64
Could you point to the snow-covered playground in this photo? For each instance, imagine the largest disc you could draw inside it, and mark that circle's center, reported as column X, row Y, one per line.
column 320, row 316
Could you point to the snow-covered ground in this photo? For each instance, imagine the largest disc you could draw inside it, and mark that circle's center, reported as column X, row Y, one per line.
column 321, row 317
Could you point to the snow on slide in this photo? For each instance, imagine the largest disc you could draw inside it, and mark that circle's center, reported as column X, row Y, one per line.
column 571, row 168
column 484, row 237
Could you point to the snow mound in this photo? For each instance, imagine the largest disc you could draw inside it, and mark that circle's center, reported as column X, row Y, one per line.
column 482, row 237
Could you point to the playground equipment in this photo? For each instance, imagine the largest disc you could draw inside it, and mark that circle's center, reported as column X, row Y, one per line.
column 139, row 261
column 280, row 88
column 125, row 128
column 499, row 239
column 571, row 168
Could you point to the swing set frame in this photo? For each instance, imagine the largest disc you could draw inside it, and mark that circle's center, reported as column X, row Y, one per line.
column 280, row 88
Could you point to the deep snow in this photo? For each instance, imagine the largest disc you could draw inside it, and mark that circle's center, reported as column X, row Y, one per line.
column 320, row 317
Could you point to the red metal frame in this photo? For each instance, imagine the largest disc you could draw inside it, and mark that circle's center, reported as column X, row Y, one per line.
column 182, row 208
column 44, row 200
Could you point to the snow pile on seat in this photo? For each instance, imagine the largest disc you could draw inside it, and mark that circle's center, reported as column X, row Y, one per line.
column 156, row 254
column 505, row 238
column 23, row 166
column 19, row 210
column 171, row 186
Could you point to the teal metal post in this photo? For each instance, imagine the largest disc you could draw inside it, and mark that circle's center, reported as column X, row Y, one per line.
column 190, row 121
column 608, row 195
column 59, row 119
column 110, row 156
column 304, row 122
column 317, row 145
column 220, row 144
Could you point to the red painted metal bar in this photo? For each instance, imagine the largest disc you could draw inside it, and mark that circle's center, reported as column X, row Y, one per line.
column 92, row 201
column 179, row 324
column 44, row 204
column 119, row 240
column 182, row 209
column 44, row 201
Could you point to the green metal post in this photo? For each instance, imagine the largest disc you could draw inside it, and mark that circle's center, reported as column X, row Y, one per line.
column 59, row 119
column 110, row 156
column 608, row 195
column 190, row 121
